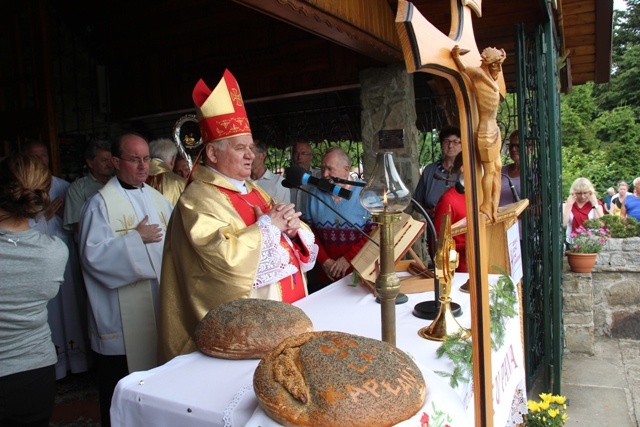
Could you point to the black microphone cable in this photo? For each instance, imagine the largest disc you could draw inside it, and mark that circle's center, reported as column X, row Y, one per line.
column 516, row 197
column 290, row 185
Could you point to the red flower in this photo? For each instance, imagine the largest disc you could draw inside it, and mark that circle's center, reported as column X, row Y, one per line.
column 424, row 420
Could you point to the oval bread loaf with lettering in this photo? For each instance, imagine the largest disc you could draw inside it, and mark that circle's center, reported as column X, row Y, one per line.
column 338, row 379
column 248, row 328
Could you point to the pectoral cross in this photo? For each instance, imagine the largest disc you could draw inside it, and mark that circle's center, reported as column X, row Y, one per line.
column 427, row 49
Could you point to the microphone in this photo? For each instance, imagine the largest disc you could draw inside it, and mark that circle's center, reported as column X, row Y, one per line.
column 441, row 177
column 299, row 176
column 288, row 184
column 337, row 180
column 516, row 197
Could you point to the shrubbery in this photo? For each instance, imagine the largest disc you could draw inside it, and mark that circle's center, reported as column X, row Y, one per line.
column 619, row 228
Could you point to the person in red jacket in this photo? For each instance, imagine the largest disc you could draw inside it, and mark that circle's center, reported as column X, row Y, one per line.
column 453, row 203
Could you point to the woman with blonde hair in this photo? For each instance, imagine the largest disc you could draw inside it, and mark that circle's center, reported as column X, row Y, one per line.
column 581, row 205
column 31, row 272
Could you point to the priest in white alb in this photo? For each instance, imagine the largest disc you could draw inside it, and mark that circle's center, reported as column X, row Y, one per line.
column 122, row 230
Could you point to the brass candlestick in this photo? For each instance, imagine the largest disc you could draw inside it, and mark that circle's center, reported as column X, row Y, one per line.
column 387, row 282
column 386, row 196
column 446, row 261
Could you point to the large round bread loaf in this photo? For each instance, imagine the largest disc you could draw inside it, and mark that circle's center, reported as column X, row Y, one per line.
column 337, row 379
column 248, row 328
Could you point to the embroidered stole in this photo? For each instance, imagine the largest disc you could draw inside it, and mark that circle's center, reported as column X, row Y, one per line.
column 137, row 310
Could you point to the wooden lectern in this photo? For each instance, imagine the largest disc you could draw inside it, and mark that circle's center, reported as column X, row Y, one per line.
column 406, row 232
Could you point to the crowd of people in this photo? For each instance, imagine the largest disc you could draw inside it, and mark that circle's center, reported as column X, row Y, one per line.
column 116, row 269
column 583, row 203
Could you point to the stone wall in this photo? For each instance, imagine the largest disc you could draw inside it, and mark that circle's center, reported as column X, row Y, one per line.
column 605, row 301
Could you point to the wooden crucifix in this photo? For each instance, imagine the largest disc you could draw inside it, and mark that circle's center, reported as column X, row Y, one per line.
column 479, row 86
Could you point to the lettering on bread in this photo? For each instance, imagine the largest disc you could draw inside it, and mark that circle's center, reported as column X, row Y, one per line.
column 324, row 378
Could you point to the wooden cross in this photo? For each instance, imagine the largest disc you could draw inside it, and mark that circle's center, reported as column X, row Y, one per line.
column 427, row 49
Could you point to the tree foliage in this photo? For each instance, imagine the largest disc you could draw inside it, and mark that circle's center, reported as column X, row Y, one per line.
column 601, row 123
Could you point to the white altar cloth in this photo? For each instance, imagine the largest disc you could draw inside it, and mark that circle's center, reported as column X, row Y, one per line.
column 198, row 390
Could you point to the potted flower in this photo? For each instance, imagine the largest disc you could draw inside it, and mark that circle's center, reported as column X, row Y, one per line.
column 585, row 244
column 550, row 411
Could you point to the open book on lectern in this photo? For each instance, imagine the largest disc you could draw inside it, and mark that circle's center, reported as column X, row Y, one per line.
column 405, row 233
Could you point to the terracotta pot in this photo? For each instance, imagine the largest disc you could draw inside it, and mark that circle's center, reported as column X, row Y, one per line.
column 581, row 263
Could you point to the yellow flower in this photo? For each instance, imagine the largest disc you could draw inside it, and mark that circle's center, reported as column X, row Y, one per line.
column 553, row 413
column 564, row 417
column 544, row 405
column 532, row 406
column 546, row 397
column 559, row 399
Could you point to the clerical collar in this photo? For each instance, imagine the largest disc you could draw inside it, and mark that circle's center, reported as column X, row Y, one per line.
column 129, row 186
column 239, row 184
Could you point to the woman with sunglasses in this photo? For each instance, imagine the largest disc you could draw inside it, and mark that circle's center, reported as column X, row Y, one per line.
column 581, row 205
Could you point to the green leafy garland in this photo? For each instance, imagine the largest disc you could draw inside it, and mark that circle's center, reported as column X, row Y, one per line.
column 503, row 300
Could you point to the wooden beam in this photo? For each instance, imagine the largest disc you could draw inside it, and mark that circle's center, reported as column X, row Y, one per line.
column 311, row 18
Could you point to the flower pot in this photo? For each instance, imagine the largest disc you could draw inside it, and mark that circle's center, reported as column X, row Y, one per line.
column 581, row 263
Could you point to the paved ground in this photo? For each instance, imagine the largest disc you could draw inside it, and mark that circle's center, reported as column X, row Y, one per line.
column 602, row 390
column 76, row 402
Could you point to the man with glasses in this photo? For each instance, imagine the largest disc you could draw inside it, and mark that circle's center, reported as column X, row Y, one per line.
column 301, row 156
column 437, row 177
column 122, row 230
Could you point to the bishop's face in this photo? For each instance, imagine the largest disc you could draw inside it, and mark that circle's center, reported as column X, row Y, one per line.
column 232, row 157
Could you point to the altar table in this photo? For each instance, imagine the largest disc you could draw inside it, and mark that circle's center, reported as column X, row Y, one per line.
column 198, row 390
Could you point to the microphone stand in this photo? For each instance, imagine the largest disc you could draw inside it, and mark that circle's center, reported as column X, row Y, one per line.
column 429, row 309
column 516, row 197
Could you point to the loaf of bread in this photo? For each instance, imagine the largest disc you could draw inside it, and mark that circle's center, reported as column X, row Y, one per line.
column 338, row 379
column 248, row 328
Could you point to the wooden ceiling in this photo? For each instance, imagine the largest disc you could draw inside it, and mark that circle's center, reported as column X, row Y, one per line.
column 155, row 50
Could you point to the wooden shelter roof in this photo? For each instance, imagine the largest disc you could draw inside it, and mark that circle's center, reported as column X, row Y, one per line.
column 155, row 51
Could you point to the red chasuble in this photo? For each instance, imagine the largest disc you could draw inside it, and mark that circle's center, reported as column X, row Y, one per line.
column 292, row 287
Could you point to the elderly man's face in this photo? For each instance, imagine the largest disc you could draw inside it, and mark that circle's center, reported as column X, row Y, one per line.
column 301, row 155
column 258, row 160
column 334, row 166
column 181, row 167
column 101, row 165
column 232, row 157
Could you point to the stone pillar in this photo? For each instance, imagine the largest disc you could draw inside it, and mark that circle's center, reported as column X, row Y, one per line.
column 578, row 312
column 388, row 103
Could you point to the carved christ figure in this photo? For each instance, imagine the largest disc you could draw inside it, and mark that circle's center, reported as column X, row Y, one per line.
column 488, row 140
